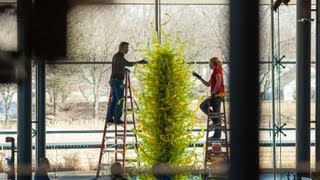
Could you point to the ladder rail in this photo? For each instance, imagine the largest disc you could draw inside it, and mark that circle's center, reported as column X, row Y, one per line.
column 207, row 137
column 103, row 141
column 226, row 132
column 132, row 101
column 125, row 121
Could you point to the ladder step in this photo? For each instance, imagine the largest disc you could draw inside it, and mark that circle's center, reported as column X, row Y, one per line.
column 130, row 122
column 215, row 114
column 115, row 137
column 134, row 109
column 113, row 151
column 108, row 124
column 217, row 140
column 105, row 164
column 218, row 153
column 114, row 146
column 223, row 128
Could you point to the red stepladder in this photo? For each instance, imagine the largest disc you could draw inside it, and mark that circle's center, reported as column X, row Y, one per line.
column 216, row 150
column 115, row 145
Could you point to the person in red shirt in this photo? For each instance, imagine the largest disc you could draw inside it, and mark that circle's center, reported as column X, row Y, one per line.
column 217, row 94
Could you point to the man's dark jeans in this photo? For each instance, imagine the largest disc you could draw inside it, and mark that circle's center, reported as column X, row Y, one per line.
column 116, row 104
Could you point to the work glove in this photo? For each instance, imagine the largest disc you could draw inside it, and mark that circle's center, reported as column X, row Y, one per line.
column 196, row 75
column 143, row 61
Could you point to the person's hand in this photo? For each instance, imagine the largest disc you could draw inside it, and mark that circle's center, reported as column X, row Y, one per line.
column 196, row 75
column 143, row 61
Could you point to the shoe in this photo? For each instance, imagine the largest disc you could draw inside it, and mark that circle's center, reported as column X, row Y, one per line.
column 215, row 137
column 216, row 122
column 110, row 121
column 214, row 126
column 212, row 138
column 118, row 122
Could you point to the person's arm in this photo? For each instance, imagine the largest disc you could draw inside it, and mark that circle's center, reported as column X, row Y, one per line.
column 128, row 63
column 206, row 83
column 218, row 84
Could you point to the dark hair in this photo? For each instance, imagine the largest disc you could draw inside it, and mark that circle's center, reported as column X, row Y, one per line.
column 122, row 44
column 44, row 160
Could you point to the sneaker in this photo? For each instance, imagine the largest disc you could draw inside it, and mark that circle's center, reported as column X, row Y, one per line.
column 214, row 126
column 119, row 122
column 215, row 137
column 216, row 122
column 110, row 121
column 212, row 138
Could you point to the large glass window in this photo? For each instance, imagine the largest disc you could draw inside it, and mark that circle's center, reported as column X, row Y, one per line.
column 77, row 87
column 95, row 31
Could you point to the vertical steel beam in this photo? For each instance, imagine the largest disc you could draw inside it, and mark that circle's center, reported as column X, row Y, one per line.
column 244, row 89
column 317, row 131
column 158, row 18
column 24, row 154
column 41, row 112
column 274, row 155
column 303, row 88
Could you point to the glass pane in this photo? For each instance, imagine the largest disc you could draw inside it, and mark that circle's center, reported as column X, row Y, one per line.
column 204, row 26
column 8, row 30
column 95, row 31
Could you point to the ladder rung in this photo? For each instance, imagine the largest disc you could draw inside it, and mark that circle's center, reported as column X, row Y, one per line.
column 223, row 144
column 114, row 137
column 113, row 151
column 217, row 140
column 105, row 164
column 215, row 113
column 119, row 146
column 223, row 128
column 218, row 153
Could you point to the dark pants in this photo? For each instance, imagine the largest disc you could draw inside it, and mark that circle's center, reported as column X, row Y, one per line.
column 116, row 104
column 215, row 106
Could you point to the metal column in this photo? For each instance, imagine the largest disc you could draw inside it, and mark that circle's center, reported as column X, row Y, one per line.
column 273, row 94
column 317, row 131
column 41, row 112
column 303, row 88
column 158, row 19
column 244, row 89
column 24, row 154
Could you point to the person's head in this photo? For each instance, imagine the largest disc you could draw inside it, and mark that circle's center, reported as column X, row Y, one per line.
column 124, row 47
column 214, row 62
column 116, row 169
column 44, row 163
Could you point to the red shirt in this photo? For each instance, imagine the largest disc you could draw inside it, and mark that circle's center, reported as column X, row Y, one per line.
column 217, row 70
